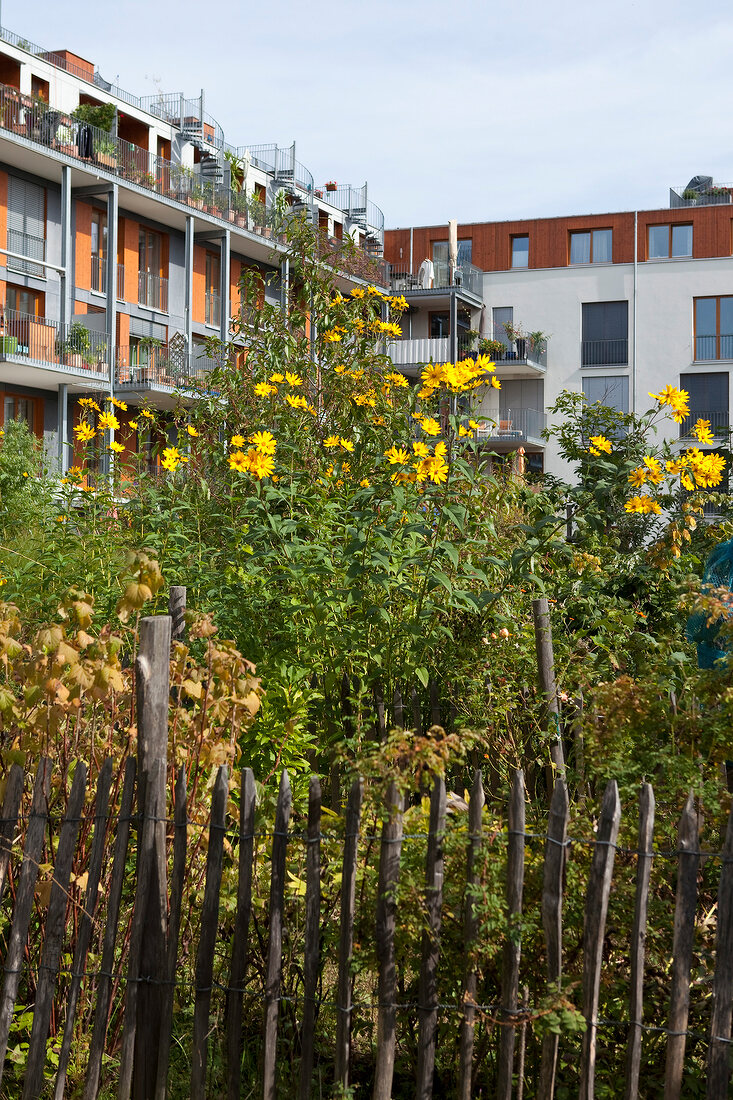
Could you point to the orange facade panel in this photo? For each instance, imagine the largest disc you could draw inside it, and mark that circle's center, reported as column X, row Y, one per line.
column 83, row 246
column 198, row 305
column 549, row 238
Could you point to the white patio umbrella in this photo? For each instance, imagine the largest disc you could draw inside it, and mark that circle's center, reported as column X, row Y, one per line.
column 453, row 247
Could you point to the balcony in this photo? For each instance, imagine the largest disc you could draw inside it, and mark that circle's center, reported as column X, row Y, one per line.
column 707, row 196
column 404, row 280
column 25, row 244
column 512, row 428
column 62, row 348
column 152, row 291
column 99, row 277
column 604, row 353
column 710, row 348
column 519, row 358
column 720, row 426
column 143, row 367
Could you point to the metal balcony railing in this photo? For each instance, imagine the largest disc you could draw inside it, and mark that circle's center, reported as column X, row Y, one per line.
column 141, row 364
column 51, row 344
column 404, row 280
column 213, row 308
column 99, row 277
column 512, row 425
column 711, row 196
column 720, row 424
column 604, row 353
column 712, row 347
column 26, row 245
column 152, row 291
column 356, row 205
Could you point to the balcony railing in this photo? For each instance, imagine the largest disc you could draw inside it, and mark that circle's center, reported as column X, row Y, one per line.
column 708, row 347
column 51, row 344
column 26, row 245
column 604, row 353
column 709, row 196
column 403, row 279
column 438, row 350
column 720, row 424
column 99, row 277
column 141, row 366
column 152, row 291
column 512, row 426
column 213, row 308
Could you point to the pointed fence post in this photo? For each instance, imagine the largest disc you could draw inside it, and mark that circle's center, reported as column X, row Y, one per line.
column 177, row 611
column 555, row 853
column 312, row 936
column 546, row 670
column 389, row 874
column 207, row 938
column 346, row 942
column 644, row 857
column 11, row 806
column 720, row 1024
column 682, row 944
column 428, row 984
column 180, row 844
column 275, row 947
column 513, row 943
column 238, row 965
column 596, row 908
column 470, row 932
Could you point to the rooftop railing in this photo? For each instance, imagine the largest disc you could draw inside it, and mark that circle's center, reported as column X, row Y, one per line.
column 354, row 202
column 404, row 280
column 710, row 196
column 52, row 344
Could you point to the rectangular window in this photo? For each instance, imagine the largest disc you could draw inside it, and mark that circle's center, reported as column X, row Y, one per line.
column 99, row 249
column 605, row 334
column 442, row 256
column 714, row 328
column 26, row 226
column 439, row 325
column 520, row 251
column 667, row 241
column 17, row 407
column 152, row 287
column 609, row 390
column 591, row 247
column 213, row 305
column 708, row 400
column 22, row 300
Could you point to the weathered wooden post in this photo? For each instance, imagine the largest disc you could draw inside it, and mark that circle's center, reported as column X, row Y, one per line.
column 638, row 939
column 275, row 947
column 177, row 611
column 546, row 670
column 555, row 849
column 513, row 943
column 470, row 931
column 389, row 873
column 346, row 940
column 312, row 936
column 428, row 984
column 682, row 945
column 720, row 1023
column 147, row 959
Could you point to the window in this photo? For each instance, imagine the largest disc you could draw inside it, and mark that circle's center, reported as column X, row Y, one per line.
column 213, row 305
column 520, row 251
column 22, row 300
column 26, row 226
column 439, row 325
column 592, row 247
column 605, row 334
column 17, row 407
column 99, row 249
column 667, row 241
column 708, row 400
column 441, row 255
column 714, row 328
column 610, row 390
column 152, row 287
column 39, row 88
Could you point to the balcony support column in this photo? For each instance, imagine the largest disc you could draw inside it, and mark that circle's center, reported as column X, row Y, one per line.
column 224, row 266
column 63, row 428
column 111, row 318
column 66, row 246
column 285, row 287
column 188, row 280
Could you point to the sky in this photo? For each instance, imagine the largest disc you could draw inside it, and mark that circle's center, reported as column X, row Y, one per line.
column 451, row 109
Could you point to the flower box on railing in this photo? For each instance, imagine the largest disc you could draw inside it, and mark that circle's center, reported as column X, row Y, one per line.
column 331, row 186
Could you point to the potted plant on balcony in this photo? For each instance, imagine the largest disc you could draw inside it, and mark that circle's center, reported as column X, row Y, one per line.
column 240, row 206
column 105, row 152
column 517, row 337
column 495, row 349
column 538, row 341
column 332, row 186
column 76, row 349
column 196, row 197
column 148, row 349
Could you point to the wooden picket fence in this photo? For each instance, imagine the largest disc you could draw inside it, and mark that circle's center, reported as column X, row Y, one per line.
column 152, row 955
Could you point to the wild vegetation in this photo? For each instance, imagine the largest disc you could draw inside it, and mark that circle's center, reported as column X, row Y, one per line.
column 343, row 536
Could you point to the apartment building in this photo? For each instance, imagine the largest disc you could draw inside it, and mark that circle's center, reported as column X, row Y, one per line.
column 122, row 247
column 613, row 305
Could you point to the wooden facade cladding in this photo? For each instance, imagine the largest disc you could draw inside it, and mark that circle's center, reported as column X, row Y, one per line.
column 198, row 305
column 83, row 245
column 549, row 238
